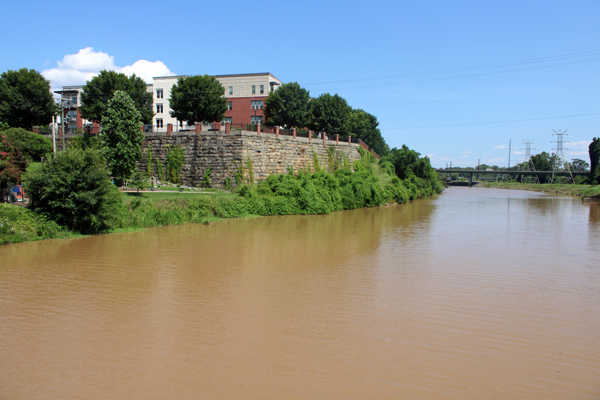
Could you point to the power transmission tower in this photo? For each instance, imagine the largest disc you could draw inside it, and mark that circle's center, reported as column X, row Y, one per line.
column 528, row 149
column 560, row 152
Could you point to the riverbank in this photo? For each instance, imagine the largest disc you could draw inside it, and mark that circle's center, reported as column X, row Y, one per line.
column 563, row 189
column 331, row 187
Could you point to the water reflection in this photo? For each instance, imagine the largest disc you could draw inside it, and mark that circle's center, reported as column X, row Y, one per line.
column 474, row 294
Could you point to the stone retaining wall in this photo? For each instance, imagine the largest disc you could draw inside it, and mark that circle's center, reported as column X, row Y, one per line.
column 221, row 152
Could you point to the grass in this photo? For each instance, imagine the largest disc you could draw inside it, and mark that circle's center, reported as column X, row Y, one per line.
column 176, row 195
column 555, row 188
column 19, row 224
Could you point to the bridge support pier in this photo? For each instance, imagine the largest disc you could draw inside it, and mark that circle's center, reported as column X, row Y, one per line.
column 470, row 179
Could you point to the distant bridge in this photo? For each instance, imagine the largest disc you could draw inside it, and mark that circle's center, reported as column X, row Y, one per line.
column 470, row 172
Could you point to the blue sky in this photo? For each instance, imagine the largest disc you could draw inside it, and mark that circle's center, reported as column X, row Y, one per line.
column 378, row 55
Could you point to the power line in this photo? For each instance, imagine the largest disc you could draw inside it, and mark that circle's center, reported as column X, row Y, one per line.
column 461, row 69
column 460, row 76
column 490, row 122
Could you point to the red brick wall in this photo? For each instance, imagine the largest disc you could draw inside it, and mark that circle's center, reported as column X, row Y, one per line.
column 242, row 112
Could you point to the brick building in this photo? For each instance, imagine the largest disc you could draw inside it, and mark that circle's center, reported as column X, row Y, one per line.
column 245, row 93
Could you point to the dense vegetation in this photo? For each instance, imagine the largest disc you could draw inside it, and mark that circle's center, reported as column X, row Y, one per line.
column 291, row 106
column 87, row 202
column 18, row 224
column 30, row 144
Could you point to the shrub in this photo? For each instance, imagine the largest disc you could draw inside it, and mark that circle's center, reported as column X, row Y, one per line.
column 32, row 145
column 73, row 188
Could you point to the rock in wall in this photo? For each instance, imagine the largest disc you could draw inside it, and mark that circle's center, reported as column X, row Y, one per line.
column 221, row 152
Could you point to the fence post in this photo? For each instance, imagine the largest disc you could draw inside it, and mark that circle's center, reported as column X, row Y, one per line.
column 277, row 132
column 227, row 128
column 141, row 128
column 294, row 133
column 337, row 138
column 169, row 129
column 349, row 140
column 324, row 136
column 258, row 129
column 309, row 136
column 198, row 128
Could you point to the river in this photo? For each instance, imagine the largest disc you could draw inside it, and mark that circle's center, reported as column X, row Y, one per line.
column 474, row 294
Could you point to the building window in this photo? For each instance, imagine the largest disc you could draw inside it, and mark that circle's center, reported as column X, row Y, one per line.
column 262, row 89
column 159, row 93
column 257, row 105
column 229, row 105
column 230, row 90
column 159, row 108
column 227, row 120
column 253, row 89
column 159, row 122
column 257, row 120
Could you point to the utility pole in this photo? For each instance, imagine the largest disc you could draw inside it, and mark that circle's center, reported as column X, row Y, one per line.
column 509, row 148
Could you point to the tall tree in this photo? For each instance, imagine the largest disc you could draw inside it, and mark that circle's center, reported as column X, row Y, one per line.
column 25, row 99
column 364, row 126
column 287, row 106
column 100, row 90
column 330, row 114
column 594, row 150
column 121, row 138
column 198, row 98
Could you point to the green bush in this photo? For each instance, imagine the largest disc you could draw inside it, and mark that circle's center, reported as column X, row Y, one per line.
column 18, row 224
column 73, row 188
column 32, row 145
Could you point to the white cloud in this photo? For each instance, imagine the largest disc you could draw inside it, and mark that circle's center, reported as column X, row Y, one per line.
column 147, row 69
column 580, row 145
column 88, row 60
column 466, row 152
column 518, row 152
column 579, row 154
column 77, row 69
column 501, row 147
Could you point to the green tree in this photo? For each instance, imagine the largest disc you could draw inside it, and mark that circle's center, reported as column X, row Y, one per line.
column 121, row 138
column 364, row 126
column 32, row 145
column 100, row 90
column 330, row 114
column 287, row 106
column 545, row 162
column 579, row 165
column 25, row 99
column 594, row 150
column 198, row 98
column 404, row 160
column 73, row 188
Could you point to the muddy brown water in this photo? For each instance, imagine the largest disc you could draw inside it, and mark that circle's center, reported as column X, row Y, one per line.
column 475, row 294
